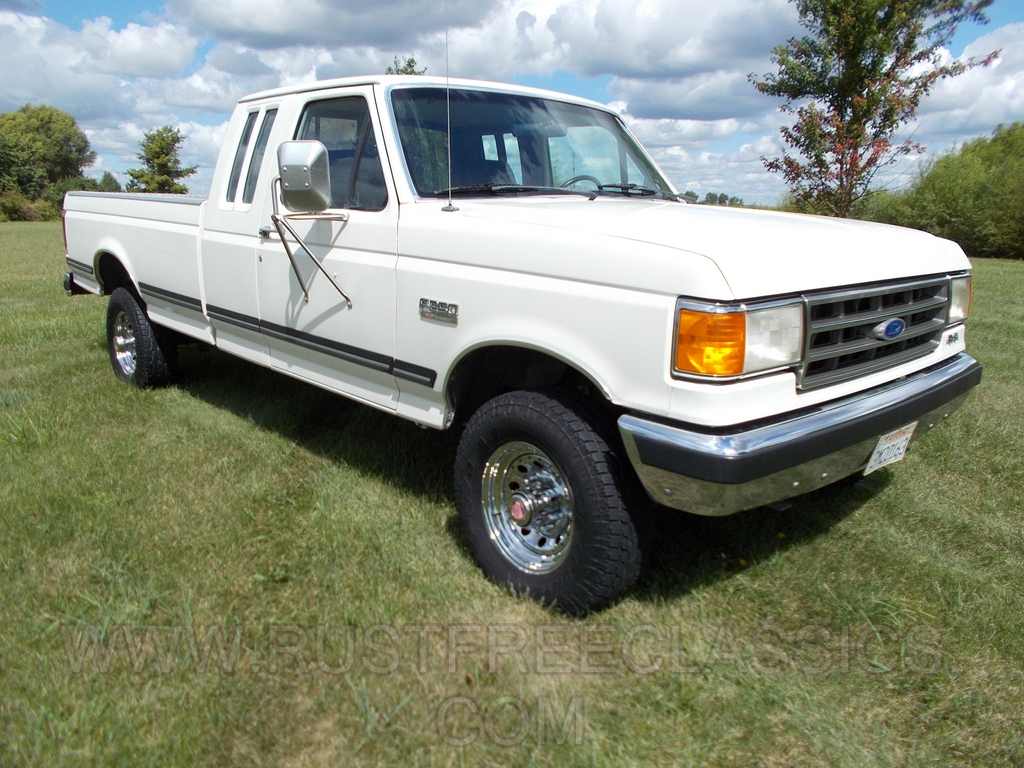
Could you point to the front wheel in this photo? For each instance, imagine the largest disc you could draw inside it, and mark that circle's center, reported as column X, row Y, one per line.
column 541, row 499
column 141, row 353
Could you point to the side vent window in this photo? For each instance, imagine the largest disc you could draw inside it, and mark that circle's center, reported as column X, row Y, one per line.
column 257, row 155
column 236, row 167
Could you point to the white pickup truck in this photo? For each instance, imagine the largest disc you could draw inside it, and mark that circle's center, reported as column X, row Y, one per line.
column 547, row 289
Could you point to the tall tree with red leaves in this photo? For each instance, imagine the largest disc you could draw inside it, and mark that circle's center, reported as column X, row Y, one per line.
column 852, row 83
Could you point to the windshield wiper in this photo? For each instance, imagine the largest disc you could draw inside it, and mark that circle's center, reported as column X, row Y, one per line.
column 631, row 189
column 513, row 189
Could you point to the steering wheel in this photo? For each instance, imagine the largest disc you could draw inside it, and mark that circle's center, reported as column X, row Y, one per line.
column 583, row 177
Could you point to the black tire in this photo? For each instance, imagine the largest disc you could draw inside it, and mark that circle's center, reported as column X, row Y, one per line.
column 579, row 549
column 142, row 354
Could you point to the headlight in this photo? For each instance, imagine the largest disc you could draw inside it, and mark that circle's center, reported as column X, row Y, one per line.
column 731, row 341
column 960, row 303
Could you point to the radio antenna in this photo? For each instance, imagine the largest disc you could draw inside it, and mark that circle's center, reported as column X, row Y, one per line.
column 448, row 104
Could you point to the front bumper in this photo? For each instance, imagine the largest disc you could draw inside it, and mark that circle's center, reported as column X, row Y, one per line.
column 718, row 472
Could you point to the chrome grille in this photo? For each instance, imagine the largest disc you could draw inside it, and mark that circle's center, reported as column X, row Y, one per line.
column 839, row 344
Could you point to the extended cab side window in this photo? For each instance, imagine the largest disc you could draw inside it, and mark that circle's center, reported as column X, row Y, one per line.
column 257, row 155
column 236, row 166
column 343, row 126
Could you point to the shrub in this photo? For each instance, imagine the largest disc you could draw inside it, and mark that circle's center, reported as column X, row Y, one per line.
column 14, row 206
column 972, row 196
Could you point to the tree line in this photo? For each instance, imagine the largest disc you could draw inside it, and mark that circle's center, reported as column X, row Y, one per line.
column 44, row 155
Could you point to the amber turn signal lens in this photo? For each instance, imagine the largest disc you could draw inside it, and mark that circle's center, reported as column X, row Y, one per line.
column 711, row 344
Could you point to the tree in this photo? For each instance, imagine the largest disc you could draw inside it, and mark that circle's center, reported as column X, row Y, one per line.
column 8, row 181
column 45, row 146
column 109, row 183
column 54, row 193
column 161, row 166
column 408, row 68
column 852, row 83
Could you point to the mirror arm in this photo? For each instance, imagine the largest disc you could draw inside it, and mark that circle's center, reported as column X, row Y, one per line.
column 281, row 225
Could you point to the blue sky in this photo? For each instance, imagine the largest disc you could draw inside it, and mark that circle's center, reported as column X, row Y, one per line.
column 1001, row 13
column 675, row 69
column 121, row 12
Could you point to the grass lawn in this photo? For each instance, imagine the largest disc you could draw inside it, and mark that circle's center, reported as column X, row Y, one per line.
column 244, row 570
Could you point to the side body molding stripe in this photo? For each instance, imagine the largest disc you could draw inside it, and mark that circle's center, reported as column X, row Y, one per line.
column 78, row 266
column 367, row 358
column 170, row 296
column 233, row 318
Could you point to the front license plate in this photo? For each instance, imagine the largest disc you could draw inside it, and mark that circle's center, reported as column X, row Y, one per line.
column 891, row 447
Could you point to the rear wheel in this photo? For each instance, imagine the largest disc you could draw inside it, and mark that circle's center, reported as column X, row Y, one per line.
column 142, row 354
column 542, row 501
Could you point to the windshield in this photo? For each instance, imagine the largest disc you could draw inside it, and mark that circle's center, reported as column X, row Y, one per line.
column 508, row 144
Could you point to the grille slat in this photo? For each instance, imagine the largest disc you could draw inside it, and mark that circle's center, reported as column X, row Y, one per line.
column 840, row 345
column 881, row 314
column 869, row 343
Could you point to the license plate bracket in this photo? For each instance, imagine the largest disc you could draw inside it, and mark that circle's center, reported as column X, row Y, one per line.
column 890, row 448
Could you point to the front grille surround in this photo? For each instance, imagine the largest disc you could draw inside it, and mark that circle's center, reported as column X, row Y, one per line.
column 837, row 341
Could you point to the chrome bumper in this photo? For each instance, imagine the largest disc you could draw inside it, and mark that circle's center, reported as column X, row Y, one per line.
column 721, row 471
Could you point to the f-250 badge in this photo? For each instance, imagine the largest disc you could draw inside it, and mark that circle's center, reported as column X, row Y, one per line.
column 439, row 310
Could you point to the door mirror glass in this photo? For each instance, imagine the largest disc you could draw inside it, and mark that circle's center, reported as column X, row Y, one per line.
column 305, row 173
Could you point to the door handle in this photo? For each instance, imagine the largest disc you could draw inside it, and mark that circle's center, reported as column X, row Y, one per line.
column 264, row 233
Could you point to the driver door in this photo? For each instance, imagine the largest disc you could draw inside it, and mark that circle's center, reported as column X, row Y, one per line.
column 349, row 349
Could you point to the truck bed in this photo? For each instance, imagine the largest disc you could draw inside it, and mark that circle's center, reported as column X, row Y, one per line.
column 156, row 236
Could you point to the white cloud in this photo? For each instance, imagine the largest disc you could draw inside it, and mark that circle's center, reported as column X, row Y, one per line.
column 330, row 23
column 237, row 60
column 201, row 147
column 680, row 133
column 135, row 51
column 42, row 64
column 208, row 89
column 669, row 39
column 740, row 173
column 706, row 96
column 21, row 6
column 512, row 41
column 979, row 100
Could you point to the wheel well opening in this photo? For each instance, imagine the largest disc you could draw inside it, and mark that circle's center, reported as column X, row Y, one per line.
column 488, row 372
column 113, row 275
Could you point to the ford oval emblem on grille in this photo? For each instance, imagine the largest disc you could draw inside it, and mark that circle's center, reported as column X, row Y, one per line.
column 889, row 330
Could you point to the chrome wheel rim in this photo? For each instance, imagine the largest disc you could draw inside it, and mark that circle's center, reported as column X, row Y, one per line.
column 124, row 343
column 527, row 505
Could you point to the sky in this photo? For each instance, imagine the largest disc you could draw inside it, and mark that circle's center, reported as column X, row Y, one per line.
column 676, row 70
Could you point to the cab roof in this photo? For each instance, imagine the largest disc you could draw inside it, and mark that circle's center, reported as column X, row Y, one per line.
column 420, row 80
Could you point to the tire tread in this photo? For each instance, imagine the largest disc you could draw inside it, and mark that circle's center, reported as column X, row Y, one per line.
column 613, row 560
column 156, row 353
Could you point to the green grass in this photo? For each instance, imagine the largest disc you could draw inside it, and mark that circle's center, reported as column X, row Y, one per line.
column 876, row 623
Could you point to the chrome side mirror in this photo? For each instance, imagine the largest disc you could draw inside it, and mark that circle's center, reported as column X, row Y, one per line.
column 305, row 176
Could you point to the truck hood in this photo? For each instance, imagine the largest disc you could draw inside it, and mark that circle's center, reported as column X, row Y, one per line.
column 759, row 253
